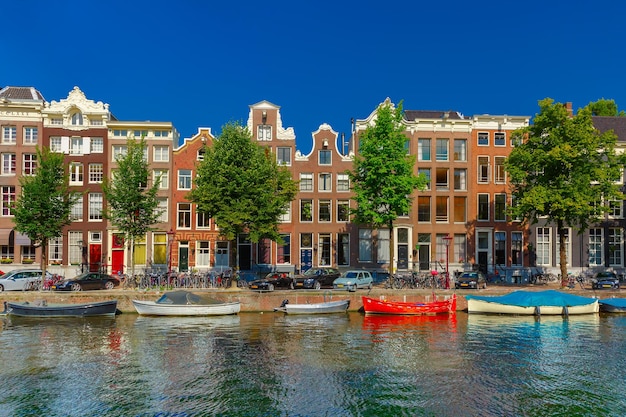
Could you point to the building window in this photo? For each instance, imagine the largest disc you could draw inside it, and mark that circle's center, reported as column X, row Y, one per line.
column 499, row 171
column 306, row 210
column 442, row 150
column 441, row 209
column 365, row 245
column 55, row 249
column 286, row 216
column 76, row 212
column 30, row 163
column 203, row 220
column 203, row 253
column 96, row 173
column 499, row 214
column 8, row 164
column 95, row 206
column 324, row 211
column 161, row 153
column 460, row 179
column 325, row 182
column 161, row 133
column 483, row 207
column 325, row 157
column 77, row 119
column 8, row 200
column 96, row 145
column 615, row 209
column 426, row 173
column 343, row 182
column 162, row 207
column 460, row 209
column 184, row 216
column 516, row 249
column 616, row 246
column 163, row 176
column 76, row 173
column 138, row 134
column 343, row 249
column 184, row 179
column 500, row 248
column 459, row 251
column 55, row 144
column 75, row 246
column 76, row 145
column 442, row 179
column 264, row 133
column 343, row 210
column 483, row 138
column 499, row 139
column 306, row 181
column 543, row 246
column 324, row 247
column 120, row 133
column 31, row 135
column 423, row 149
column 119, row 151
column 9, row 134
column 382, row 246
column 283, row 252
column 595, row 247
column 283, row 156
column 460, row 150
column 483, row 169
column 423, row 209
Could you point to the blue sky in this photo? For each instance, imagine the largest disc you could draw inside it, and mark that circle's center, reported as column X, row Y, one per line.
column 202, row 63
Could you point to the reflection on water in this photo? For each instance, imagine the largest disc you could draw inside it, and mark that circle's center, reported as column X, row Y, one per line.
column 327, row 365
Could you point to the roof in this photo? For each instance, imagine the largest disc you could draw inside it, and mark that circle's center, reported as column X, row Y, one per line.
column 617, row 124
column 432, row 114
column 21, row 93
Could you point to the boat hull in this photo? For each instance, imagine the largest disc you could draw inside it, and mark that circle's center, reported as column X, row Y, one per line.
column 376, row 306
column 105, row 308
column 485, row 307
column 316, row 308
column 152, row 308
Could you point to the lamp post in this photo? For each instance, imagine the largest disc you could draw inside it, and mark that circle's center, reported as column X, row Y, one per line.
column 170, row 240
column 446, row 239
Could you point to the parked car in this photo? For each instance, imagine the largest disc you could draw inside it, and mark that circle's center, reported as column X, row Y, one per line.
column 471, row 280
column 317, row 278
column 88, row 281
column 21, row 280
column 353, row 280
column 271, row 281
column 605, row 280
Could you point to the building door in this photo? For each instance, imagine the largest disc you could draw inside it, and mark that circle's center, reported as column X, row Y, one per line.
column 95, row 257
column 221, row 254
column 245, row 257
column 117, row 254
column 306, row 259
column 183, row 257
column 403, row 256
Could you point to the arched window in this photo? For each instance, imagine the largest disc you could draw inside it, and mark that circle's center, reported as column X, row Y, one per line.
column 77, row 118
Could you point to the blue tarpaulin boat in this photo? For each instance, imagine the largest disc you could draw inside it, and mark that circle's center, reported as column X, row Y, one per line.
column 613, row 305
column 532, row 303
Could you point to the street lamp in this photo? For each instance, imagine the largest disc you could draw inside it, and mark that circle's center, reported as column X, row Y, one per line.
column 170, row 240
column 446, row 239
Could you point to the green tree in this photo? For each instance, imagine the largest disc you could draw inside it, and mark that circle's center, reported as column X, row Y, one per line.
column 604, row 107
column 383, row 177
column 564, row 169
column 241, row 186
column 45, row 202
column 132, row 205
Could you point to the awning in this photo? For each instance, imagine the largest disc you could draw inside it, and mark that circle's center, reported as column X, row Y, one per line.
column 4, row 236
column 22, row 240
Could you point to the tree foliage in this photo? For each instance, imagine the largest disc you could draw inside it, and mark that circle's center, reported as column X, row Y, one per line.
column 241, row 186
column 605, row 107
column 383, row 178
column 563, row 169
column 45, row 202
column 132, row 204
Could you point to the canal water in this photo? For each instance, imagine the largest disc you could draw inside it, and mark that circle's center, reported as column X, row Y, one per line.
column 337, row 365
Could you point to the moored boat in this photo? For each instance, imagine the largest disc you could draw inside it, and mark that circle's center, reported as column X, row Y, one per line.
column 43, row 309
column 550, row 302
column 376, row 306
column 185, row 303
column 340, row 306
column 613, row 305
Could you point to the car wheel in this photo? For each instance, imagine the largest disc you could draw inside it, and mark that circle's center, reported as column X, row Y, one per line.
column 1, row 288
column 109, row 285
column 370, row 286
column 317, row 285
column 76, row 287
column 270, row 287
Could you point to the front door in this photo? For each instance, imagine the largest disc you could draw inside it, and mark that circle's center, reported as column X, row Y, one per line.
column 183, row 258
column 403, row 256
column 306, row 259
column 95, row 257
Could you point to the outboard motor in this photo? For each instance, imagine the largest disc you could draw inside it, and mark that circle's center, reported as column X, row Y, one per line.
column 284, row 303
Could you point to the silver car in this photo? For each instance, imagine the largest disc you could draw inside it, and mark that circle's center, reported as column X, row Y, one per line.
column 20, row 280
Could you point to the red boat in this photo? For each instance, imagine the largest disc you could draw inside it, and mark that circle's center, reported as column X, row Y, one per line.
column 376, row 306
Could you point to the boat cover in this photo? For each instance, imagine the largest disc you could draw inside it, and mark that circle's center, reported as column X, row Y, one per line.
column 185, row 298
column 614, row 302
column 536, row 298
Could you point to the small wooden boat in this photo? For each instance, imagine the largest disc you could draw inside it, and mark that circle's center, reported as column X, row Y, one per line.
column 184, row 303
column 613, row 305
column 326, row 307
column 537, row 303
column 376, row 306
column 43, row 309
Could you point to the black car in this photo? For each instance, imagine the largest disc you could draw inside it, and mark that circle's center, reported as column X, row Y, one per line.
column 471, row 280
column 605, row 280
column 88, row 281
column 316, row 278
column 271, row 281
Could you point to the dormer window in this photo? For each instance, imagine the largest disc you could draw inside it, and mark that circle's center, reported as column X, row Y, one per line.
column 77, row 119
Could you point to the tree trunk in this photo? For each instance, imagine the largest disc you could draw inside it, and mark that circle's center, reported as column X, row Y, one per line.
column 392, row 269
column 44, row 264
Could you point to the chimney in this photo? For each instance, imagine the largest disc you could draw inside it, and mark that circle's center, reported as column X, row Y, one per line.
column 568, row 107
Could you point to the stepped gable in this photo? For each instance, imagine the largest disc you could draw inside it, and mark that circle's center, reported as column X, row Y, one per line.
column 20, row 93
column 411, row 115
column 617, row 124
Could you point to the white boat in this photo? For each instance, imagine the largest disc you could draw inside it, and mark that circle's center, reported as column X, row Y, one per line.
column 326, row 307
column 184, row 303
column 537, row 303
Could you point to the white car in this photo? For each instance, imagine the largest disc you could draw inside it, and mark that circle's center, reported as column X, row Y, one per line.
column 353, row 280
column 20, row 280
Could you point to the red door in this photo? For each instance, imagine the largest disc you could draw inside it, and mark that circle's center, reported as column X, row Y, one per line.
column 117, row 262
column 95, row 257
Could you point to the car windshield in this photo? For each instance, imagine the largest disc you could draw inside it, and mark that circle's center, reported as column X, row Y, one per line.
column 606, row 275
column 312, row 271
column 350, row 275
